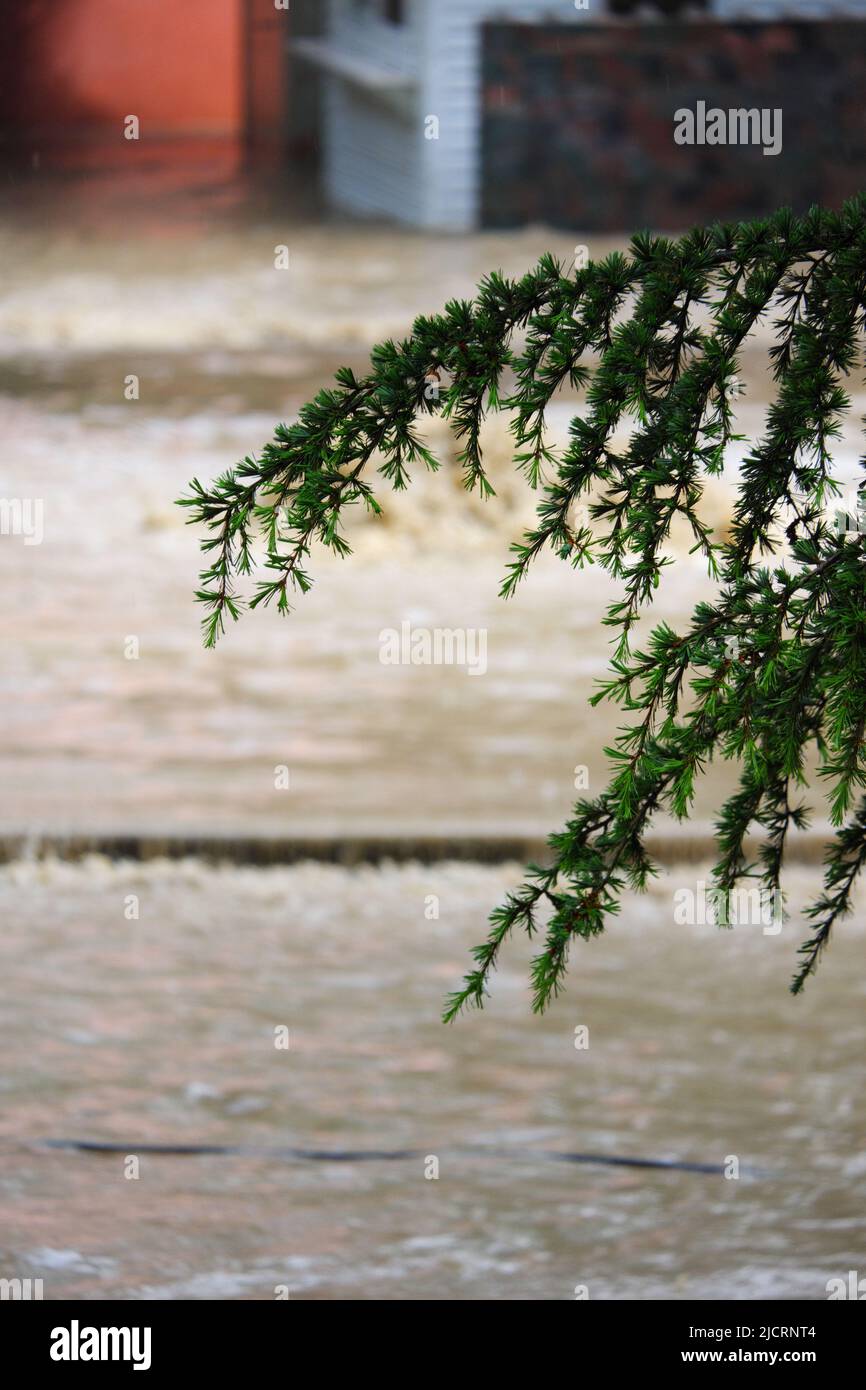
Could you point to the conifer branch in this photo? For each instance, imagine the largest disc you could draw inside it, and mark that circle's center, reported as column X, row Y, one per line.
column 770, row 673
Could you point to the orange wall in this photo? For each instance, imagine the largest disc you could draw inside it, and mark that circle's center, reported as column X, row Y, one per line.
column 176, row 64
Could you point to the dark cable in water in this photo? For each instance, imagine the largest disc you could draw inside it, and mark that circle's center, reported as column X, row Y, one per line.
column 366, row 1155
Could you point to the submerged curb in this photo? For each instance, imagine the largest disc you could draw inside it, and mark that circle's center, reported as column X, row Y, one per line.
column 686, row 847
column 311, row 1155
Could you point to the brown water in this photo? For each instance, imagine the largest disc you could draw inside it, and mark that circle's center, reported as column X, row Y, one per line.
column 162, row 1030
column 177, row 738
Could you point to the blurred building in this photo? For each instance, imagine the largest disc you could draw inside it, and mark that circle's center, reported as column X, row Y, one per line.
column 468, row 113
column 450, row 114
column 205, row 80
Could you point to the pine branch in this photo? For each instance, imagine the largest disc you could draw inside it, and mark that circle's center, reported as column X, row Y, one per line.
column 768, row 674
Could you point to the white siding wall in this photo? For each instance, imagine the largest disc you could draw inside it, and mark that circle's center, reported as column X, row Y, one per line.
column 372, row 156
column 376, row 157
column 373, row 148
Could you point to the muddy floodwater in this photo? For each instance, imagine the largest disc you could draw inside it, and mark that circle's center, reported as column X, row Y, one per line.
column 115, row 717
column 141, row 1003
column 162, row 1030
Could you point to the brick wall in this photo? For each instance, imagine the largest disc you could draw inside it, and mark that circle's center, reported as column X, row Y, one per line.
column 83, row 66
column 578, row 123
